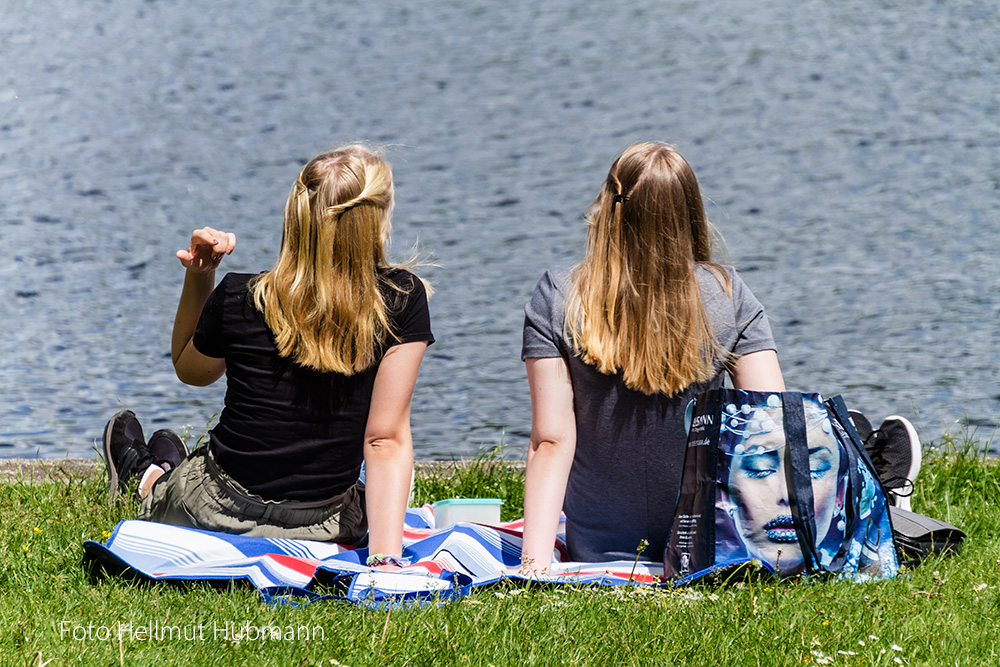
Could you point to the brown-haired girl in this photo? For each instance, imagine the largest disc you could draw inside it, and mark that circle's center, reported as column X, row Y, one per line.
column 616, row 348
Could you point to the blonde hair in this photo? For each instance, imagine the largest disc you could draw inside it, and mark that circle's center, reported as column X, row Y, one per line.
column 321, row 300
column 635, row 304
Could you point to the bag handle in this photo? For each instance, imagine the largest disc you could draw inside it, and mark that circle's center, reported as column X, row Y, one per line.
column 799, row 481
column 855, row 448
column 799, row 478
column 840, row 420
column 844, row 417
column 857, row 456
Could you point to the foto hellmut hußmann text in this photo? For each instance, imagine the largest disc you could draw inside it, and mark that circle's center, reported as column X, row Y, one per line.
column 154, row 631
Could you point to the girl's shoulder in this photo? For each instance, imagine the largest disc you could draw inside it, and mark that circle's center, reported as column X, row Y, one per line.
column 233, row 282
column 403, row 289
column 720, row 272
column 719, row 279
column 402, row 278
column 556, row 280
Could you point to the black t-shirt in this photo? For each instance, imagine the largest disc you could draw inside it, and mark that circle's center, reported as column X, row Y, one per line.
column 288, row 432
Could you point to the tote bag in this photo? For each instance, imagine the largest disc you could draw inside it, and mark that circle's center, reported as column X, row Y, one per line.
column 781, row 479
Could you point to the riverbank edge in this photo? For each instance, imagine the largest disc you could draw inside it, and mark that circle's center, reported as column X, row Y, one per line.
column 44, row 470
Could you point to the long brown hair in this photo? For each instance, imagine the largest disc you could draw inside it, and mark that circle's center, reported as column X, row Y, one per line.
column 635, row 305
column 321, row 299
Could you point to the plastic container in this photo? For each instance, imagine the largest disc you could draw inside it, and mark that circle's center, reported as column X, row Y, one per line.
column 476, row 510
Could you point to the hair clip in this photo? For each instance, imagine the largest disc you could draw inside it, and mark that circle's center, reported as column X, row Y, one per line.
column 618, row 199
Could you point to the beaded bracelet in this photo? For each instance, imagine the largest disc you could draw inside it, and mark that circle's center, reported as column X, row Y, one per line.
column 375, row 560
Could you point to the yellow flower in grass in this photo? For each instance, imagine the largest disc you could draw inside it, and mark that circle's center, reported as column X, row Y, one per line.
column 37, row 530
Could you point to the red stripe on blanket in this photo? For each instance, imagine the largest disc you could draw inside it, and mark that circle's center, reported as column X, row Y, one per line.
column 304, row 566
column 432, row 566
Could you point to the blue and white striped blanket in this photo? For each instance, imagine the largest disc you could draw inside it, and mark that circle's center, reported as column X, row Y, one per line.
column 445, row 563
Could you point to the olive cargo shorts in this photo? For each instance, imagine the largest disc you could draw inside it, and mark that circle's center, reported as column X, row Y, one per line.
column 198, row 494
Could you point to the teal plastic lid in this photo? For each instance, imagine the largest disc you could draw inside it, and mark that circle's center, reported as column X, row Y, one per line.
column 469, row 501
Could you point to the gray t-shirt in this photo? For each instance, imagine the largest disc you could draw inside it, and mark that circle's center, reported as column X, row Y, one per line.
column 630, row 447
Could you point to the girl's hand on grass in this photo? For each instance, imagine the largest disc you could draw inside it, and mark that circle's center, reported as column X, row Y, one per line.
column 208, row 247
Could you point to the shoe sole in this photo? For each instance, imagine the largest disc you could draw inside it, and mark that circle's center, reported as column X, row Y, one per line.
column 113, row 489
column 114, row 481
column 916, row 458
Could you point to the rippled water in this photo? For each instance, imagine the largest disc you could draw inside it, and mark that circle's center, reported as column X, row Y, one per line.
column 849, row 152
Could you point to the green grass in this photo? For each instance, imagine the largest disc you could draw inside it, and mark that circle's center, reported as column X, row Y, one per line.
column 943, row 612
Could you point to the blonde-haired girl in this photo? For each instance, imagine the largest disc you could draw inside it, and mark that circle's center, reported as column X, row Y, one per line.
column 321, row 355
column 616, row 348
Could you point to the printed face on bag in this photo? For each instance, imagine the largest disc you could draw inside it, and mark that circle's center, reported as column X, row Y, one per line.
column 759, row 492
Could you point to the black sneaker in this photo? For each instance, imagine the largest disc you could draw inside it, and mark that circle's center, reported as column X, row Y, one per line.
column 124, row 451
column 167, row 449
column 895, row 450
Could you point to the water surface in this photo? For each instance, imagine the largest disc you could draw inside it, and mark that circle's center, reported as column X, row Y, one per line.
column 849, row 153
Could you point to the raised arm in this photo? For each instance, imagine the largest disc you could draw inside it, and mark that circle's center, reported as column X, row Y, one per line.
column 389, row 448
column 208, row 247
column 550, row 457
column 758, row 371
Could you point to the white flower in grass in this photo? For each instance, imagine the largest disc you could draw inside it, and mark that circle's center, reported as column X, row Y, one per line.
column 896, row 647
column 847, row 652
column 821, row 658
column 897, row 660
column 694, row 596
column 979, row 587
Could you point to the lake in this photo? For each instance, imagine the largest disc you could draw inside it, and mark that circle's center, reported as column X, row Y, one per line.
column 848, row 153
